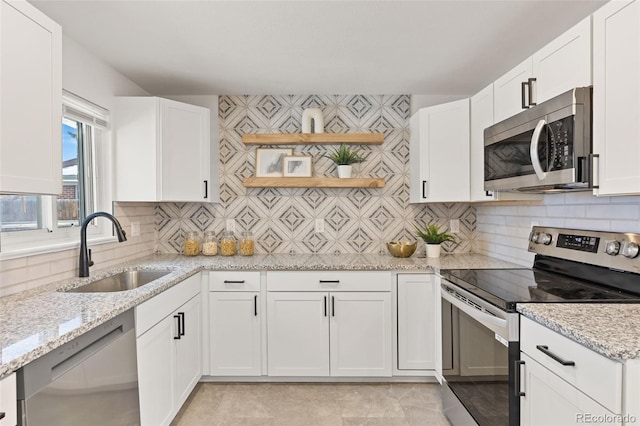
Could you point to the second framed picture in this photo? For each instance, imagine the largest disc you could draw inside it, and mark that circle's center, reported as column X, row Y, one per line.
column 296, row 166
column 269, row 161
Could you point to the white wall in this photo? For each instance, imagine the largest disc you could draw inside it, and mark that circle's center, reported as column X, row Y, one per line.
column 92, row 79
column 502, row 230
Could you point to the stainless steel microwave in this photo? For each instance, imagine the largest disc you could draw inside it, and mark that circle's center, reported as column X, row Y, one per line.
column 545, row 148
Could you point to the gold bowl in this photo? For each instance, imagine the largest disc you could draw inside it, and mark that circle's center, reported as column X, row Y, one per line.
column 402, row 248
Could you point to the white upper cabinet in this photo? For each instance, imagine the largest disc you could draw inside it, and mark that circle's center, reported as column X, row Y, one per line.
column 31, row 93
column 559, row 66
column 162, row 150
column 616, row 97
column 439, row 159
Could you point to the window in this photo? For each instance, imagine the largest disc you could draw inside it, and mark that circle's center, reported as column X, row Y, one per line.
column 35, row 221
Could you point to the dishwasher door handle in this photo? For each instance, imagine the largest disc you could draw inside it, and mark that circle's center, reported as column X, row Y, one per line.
column 75, row 359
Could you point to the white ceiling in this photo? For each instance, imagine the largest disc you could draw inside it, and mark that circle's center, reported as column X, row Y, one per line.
column 321, row 47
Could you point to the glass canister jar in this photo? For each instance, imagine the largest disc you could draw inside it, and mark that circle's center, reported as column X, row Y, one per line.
column 228, row 244
column 247, row 244
column 191, row 244
column 210, row 244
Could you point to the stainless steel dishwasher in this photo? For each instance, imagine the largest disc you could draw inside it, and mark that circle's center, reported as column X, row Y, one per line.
column 91, row 380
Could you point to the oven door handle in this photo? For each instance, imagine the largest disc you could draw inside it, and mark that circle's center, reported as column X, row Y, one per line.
column 533, row 150
column 474, row 313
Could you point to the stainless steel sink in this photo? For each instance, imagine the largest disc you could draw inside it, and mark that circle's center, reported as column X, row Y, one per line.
column 123, row 281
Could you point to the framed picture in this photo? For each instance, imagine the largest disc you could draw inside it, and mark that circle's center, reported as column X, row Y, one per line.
column 296, row 166
column 269, row 161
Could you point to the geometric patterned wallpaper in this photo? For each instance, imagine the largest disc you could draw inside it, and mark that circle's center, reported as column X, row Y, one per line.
column 282, row 219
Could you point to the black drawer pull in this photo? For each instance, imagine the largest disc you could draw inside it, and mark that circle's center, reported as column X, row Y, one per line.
column 181, row 332
column 233, row 282
column 545, row 350
column 333, row 306
column 518, row 378
column 329, row 281
column 2, row 415
column 255, row 305
column 178, row 328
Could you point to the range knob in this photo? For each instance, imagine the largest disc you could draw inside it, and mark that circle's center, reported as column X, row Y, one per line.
column 630, row 250
column 612, row 248
column 541, row 238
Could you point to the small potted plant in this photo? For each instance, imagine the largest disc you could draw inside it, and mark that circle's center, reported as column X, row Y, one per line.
column 432, row 236
column 344, row 157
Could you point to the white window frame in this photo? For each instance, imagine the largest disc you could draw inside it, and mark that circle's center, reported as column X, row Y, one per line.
column 51, row 238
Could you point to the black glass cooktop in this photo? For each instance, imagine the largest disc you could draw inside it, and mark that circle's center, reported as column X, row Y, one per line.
column 506, row 287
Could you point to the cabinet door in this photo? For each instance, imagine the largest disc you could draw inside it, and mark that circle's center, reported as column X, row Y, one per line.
column 185, row 171
column 616, row 93
column 360, row 334
column 417, row 322
column 481, row 118
column 234, row 328
column 31, row 110
column 156, row 361
column 8, row 401
column 298, row 334
column 564, row 63
column 507, row 91
column 549, row 400
column 440, row 153
column 188, row 350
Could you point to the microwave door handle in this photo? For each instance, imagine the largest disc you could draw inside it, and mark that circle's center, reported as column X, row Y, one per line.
column 533, row 150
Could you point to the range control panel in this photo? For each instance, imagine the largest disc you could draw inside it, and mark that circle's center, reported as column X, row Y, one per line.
column 608, row 249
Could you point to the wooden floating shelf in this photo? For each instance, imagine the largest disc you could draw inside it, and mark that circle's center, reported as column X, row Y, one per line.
column 313, row 138
column 317, row 182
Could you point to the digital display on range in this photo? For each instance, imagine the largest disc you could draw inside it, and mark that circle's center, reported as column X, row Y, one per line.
column 578, row 242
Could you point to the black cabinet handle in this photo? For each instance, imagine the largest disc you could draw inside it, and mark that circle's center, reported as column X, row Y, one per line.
column 489, row 193
column 255, row 305
column 523, row 91
column 545, row 350
column 206, row 189
column 2, row 415
column 325, row 306
column 329, row 281
column 333, row 306
column 233, row 282
column 424, row 189
column 530, row 84
column 518, row 379
column 181, row 314
column 177, row 328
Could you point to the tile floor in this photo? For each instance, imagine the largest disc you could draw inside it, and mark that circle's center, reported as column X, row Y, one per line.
column 303, row 404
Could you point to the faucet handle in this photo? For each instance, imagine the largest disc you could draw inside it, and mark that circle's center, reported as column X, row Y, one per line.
column 90, row 261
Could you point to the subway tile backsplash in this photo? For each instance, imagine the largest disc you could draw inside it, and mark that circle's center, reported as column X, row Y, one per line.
column 503, row 230
column 356, row 220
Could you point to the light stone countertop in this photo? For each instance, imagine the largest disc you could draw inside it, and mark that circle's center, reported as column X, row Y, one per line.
column 612, row 330
column 37, row 321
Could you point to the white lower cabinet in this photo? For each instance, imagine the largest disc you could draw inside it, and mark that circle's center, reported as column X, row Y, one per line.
column 169, row 353
column 329, row 333
column 417, row 322
column 565, row 383
column 8, row 401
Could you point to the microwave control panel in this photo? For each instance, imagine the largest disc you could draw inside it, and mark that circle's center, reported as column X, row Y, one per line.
column 560, row 135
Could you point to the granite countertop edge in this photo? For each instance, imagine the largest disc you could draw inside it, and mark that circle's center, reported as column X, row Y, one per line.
column 602, row 327
column 52, row 317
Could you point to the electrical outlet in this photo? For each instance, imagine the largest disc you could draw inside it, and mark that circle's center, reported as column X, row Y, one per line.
column 135, row 229
column 454, row 226
column 319, row 225
column 231, row 225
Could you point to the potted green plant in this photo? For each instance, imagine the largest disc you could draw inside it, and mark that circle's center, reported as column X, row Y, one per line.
column 344, row 157
column 433, row 237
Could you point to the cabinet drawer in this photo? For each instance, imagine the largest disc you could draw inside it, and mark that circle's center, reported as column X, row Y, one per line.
column 329, row 281
column 595, row 375
column 234, row 281
column 154, row 310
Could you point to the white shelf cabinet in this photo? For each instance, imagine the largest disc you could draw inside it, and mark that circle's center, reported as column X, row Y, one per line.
column 439, row 153
column 417, row 322
column 561, row 65
column 344, row 330
column 31, row 111
column 235, row 324
column 169, row 352
column 557, row 393
column 616, row 97
column 162, row 150
column 9, row 401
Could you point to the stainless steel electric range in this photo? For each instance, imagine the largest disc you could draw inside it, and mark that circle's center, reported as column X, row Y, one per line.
column 480, row 325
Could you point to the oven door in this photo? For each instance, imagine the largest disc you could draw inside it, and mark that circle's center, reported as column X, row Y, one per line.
column 480, row 347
